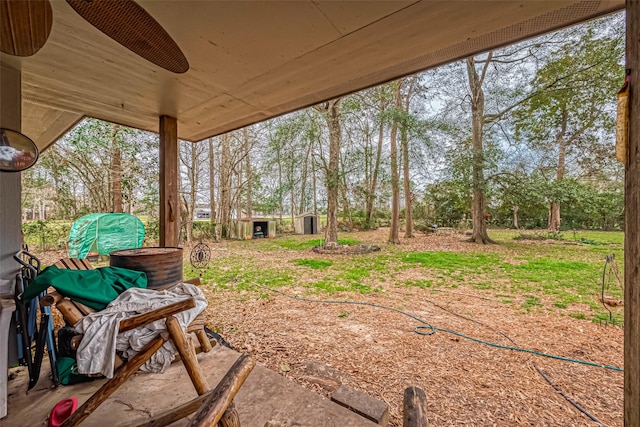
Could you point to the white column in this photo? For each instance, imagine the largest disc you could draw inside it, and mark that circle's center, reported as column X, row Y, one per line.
column 10, row 220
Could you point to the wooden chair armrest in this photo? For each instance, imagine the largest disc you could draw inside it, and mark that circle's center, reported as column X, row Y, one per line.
column 218, row 401
column 223, row 393
column 69, row 311
column 51, row 299
column 157, row 314
column 195, row 281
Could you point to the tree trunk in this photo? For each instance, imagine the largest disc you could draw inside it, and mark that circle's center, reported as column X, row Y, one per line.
column 404, row 140
column 479, row 234
column 194, row 176
column 554, row 214
column 212, row 185
column 515, row 217
column 249, row 177
column 238, row 168
column 292, row 199
column 303, row 182
column 345, row 197
column 281, row 204
column 116, row 169
column 315, row 188
column 408, row 218
column 225, row 187
column 395, row 178
column 331, row 110
column 371, row 195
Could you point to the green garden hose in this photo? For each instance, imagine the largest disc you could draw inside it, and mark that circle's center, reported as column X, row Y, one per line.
column 428, row 329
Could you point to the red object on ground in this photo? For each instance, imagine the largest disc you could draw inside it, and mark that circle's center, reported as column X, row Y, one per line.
column 62, row 411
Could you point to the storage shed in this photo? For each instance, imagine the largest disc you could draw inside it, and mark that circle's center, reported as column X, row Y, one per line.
column 307, row 223
column 255, row 228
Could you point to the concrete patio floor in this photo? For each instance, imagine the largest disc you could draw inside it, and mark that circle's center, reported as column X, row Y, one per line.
column 265, row 396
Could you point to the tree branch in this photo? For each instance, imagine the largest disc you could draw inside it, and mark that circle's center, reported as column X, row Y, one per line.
column 485, row 67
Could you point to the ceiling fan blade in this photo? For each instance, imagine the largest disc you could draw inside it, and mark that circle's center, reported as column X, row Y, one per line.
column 126, row 22
column 24, row 26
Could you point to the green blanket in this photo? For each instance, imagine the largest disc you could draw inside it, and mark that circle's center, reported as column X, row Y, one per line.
column 93, row 288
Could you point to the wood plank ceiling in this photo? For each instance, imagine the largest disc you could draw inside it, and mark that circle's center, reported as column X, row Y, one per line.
column 252, row 60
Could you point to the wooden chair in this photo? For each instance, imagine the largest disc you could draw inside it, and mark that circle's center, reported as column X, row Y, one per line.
column 222, row 411
column 73, row 311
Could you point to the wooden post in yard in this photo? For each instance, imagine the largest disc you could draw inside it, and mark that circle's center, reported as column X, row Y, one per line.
column 415, row 408
column 632, row 226
column 169, row 201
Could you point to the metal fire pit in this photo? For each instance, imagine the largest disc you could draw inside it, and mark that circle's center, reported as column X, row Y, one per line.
column 162, row 265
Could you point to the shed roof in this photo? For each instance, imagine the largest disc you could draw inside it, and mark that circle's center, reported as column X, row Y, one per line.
column 250, row 61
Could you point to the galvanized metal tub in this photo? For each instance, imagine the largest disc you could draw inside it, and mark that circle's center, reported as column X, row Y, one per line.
column 162, row 265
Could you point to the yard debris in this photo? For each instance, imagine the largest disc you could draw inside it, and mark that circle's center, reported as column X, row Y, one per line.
column 611, row 301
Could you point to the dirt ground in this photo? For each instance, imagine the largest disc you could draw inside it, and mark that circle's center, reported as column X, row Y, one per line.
column 376, row 351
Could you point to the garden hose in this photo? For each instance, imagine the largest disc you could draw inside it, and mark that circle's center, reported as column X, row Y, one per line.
column 425, row 328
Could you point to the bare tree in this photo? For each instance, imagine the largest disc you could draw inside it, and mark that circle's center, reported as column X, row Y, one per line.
column 331, row 113
column 191, row 156
column 404, row 140
column 249, row 174
column 224, row 211
column 212, row 186
column 373, row 184
column 479, row 234
column 115, row 171
column 395, row 178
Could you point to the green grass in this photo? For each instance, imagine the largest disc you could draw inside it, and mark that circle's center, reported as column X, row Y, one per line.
column 554, row 275
column 452, row 261
column 234, row 273
column 420, row 283
column 301, row 244
column 601, row 237
column 316, row 264
column 531, row 302
column 563, row 277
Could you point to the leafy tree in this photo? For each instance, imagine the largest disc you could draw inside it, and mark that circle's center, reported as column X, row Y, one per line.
column 571, row 111
column 99, row 167
column 522, row 198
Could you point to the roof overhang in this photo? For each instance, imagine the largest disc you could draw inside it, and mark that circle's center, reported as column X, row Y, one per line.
column 253, row 60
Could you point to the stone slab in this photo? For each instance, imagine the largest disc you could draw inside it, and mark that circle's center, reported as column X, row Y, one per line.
column 362, row 404
column 264, row 397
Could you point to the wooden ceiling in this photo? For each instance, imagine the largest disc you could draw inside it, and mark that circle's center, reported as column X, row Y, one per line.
column 252, row 60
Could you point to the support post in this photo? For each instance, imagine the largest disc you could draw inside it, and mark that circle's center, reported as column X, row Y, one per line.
column 632, row 226
column 10, row 224
column 169, row 201
column 415, row 408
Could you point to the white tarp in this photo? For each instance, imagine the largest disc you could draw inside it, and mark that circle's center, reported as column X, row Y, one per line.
column 96, row 353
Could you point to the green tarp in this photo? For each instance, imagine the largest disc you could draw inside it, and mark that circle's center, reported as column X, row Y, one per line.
column 105, row 233
column 93, row 288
